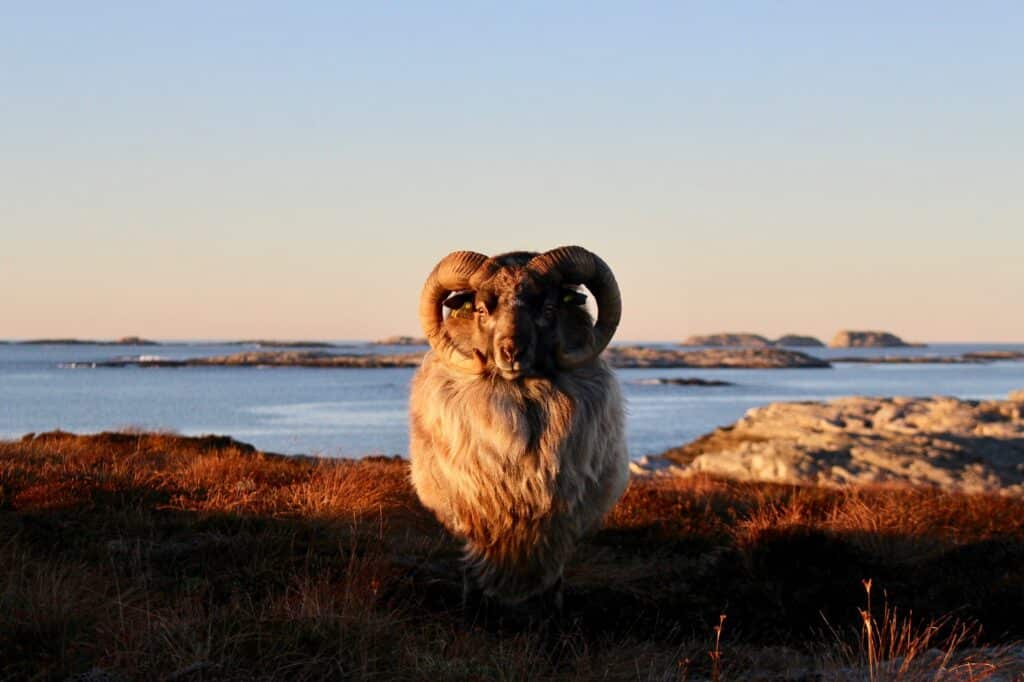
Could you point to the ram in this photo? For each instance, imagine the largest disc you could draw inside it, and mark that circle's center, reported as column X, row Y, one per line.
column 517, row 436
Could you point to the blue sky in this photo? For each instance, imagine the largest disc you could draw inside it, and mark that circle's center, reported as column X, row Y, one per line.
column 295, row 169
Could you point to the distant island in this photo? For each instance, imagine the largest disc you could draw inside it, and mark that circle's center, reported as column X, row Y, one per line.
column 845, row 338
column 631, row 357
column 269, row 359
column 123, row 341
column 401, row 341
column 869, row 339
column 268, row 343
column 683, row 381
column 749, row 340
column 799, row 341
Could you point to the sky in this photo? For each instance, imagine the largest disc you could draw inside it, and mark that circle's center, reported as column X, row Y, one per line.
column 197, row 170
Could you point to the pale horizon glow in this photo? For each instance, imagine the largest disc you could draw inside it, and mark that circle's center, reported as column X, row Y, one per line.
column 261, row 170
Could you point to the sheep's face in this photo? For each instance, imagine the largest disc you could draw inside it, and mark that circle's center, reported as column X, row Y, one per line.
column 514, row 323
column 519, row 314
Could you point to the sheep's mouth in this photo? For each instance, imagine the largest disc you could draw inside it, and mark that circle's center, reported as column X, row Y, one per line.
column 511, row 374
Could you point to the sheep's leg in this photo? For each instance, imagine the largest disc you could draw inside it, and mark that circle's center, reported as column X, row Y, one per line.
column 475, row 605
column 555, row 598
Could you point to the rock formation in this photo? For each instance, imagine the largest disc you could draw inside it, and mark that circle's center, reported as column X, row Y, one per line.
column 868, row 339
column 961, row 445
column 401, row 341
column 682, row 381
column 799, row 341
column 746, row 358
column 270, row 359
column 735, row 340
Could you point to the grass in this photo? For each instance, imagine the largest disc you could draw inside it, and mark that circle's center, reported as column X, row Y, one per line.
column 144, row 556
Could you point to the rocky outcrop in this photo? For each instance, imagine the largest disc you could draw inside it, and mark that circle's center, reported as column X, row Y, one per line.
column 910, row 360
column 748, row 340
column 123, row 341
column 974, row 358
column 799, row 341
column 868, row 339
column 960, row 445
column 748, row 358
column 733, row 340
column 271, row 343
column 135, row 341
column 401, row 341
column 270, row 359
column 994, row 355
column 681, row 381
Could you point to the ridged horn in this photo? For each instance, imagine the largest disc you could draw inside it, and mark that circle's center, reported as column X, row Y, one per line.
column 452, row 273
column 576, row 265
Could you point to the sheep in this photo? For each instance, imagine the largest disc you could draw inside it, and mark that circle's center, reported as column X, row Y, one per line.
column 517, row 428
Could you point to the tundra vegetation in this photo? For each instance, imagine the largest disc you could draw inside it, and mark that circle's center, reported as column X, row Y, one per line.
column 142, row 556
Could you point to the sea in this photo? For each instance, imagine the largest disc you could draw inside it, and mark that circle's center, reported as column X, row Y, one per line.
column 357, row 412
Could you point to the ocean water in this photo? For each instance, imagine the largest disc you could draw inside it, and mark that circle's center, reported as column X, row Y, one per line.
column 354, row 412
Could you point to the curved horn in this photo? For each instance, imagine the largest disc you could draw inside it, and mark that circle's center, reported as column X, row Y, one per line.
column 453, row 273
column 576, row 265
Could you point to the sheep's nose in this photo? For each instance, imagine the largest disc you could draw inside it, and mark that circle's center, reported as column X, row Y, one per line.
column 510, row 353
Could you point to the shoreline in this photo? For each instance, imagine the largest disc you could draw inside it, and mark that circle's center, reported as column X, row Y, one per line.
column 937, row 442
column 630, row 357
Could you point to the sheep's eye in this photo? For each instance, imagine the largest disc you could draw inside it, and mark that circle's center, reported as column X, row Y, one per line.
column 573, row 298
column 459, row 301
column 461, row 305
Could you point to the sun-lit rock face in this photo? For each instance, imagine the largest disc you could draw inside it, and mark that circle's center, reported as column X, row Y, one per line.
column 799, row 341
column 962, row 445
column 736, row 340
column 867, row 339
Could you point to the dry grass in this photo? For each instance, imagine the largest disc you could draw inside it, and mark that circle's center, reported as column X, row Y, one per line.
column 152, row 556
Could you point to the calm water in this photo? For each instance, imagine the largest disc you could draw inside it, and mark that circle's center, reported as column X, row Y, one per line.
column 351, row 412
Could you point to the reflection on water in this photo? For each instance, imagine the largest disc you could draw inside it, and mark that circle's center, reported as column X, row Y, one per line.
column 350, row 412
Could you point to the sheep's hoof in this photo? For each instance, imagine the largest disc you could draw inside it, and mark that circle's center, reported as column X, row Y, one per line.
column 542, row 611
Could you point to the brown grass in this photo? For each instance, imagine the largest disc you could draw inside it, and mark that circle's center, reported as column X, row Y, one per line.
column 152, row 556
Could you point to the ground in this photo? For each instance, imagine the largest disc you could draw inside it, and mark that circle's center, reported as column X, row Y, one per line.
column 153, row 556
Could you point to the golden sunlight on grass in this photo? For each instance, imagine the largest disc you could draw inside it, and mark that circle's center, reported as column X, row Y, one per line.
column 153, row 556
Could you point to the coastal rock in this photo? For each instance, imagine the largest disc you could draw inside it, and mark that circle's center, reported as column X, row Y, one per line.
column 868, row 339
column 959, row 445
column 1017, row 396
column 966, row 359
column 135, row 341
column 734, row 340
column 682, row 381
column 799, row 341
column 994, row 355
column 272, row 359
column 123, row 341
column 272, row 343
column 748, row 358
column 401, row 341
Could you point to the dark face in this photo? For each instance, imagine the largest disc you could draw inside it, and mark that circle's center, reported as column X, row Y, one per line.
column 516, row 322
